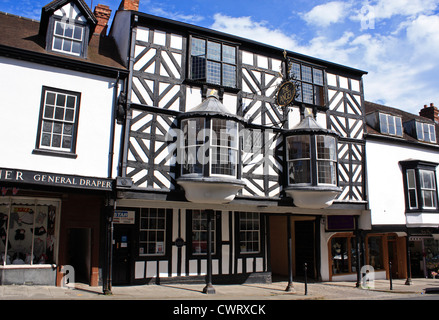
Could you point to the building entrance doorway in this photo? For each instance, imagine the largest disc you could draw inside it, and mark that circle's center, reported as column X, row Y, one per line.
column 79, row 253
column 122, row 254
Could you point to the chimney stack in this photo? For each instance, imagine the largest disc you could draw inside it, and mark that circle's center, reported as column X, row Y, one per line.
column 430, row 112
column 129, row 5
column 102, row 13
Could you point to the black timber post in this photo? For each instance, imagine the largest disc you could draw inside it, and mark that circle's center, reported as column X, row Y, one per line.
column 209, row 289
column 290, row 286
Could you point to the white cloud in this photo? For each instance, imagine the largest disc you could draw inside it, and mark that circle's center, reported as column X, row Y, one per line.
column 259, row 31
column 325, row 14
column 423, row 34
column 385, row 9
column 175, row 15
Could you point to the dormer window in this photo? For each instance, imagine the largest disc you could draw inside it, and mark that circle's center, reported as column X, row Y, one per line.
column 68, row 38
column 425, row 132
column 391, row 125
column 66, row 26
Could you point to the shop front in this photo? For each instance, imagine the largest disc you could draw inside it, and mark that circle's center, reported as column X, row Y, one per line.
column 50, row 223
column 424, row 255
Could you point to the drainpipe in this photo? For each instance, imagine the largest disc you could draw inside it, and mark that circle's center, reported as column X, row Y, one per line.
column 112, row 127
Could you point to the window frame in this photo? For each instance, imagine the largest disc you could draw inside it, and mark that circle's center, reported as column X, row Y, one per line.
column 240, row 232
column 146, row 230
column 309, row 82
column 222, row 62
column 207, row 145
column 418, row 167
column 313, row 161
column 216, row 230
column 51, row 34
column 420, row 134
column 396, row 120
column 53, row 150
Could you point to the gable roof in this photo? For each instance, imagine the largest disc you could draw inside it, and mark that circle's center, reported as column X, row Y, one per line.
column 48, row 10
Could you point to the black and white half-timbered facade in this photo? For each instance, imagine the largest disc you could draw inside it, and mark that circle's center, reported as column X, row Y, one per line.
column 59, row 84
column 230, row 148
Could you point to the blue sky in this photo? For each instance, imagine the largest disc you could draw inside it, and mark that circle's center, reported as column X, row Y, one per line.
column 395, row 41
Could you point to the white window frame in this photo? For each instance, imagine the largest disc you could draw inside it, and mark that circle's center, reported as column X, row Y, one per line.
column 64, row 38
column 431, row 190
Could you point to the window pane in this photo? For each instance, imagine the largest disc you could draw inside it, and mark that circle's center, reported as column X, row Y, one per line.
column 152, row 232
column 383, row 123
column 306, row 74
column 229, row 75
column 78, row 33
column 318, row 76
column 426, row 132
column 427, row 179
column 67, row 45
column 59, row 113
column 50, row 98
column 198, row 47
column 57, row 43
column 48, row 112
column 249, row 232
column 229, row 54
column 214, row 51
column 326, row 148
column 391, row 124
column 76, row 47
column 299, row 171
column 427, row 197
column 307, row 93
column 68, row 31
column 375, row 252
column 432, row 133
column 326, row 172
column 213, row 72
column 295, row 71
column 298, row 147
column 59, row 30
column 339, row 253
column 419, row 131
column 199, row 232
column 319, row 96
column 398, row 126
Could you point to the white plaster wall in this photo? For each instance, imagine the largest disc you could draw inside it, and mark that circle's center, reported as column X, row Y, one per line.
column 385, row 179
column 21, row 87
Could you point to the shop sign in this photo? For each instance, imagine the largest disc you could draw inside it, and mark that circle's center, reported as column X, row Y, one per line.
column 124, row 217
column 54, row 179
column 286, row 94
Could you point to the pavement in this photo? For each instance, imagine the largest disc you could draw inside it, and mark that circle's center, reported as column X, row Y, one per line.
column 378, row 290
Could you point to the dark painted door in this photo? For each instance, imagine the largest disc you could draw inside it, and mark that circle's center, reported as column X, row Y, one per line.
column 122, row 254
column 304, row 248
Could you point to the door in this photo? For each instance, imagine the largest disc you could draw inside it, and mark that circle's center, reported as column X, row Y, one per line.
column 305, row 248
column 122, row 255
column 79, row 253
column 393, row 256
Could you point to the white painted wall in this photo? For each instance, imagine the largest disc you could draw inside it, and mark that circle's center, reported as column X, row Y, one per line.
column 21, row 87
column 385, row 179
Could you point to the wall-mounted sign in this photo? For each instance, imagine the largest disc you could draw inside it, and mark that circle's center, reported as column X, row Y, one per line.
column 54, row 179
column 124, row 217
column 286, row 94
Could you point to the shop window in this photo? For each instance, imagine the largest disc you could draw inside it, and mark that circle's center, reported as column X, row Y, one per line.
column 343, row 254
column 152, row 233
column 375, row 252
column 249, row 232
column 199, row 232
column 310, row 83
column 58, row 121
column 213, row 62
column 27, row 231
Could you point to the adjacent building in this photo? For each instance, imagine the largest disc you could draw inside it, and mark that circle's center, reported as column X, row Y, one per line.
column 60, row 87
column 402, row 165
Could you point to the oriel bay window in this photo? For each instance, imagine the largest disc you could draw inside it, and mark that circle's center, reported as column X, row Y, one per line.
column 209, row 153
column 312, row 164
column 420, row 186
